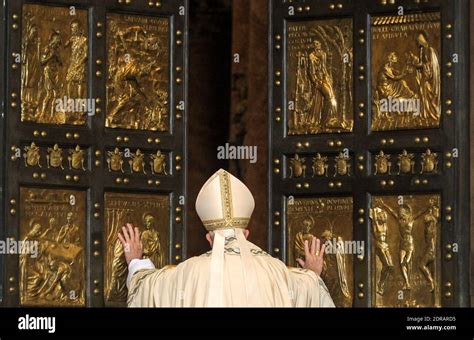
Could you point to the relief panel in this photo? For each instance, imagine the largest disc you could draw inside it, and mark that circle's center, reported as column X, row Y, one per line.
column 319, row 76
column 54, row 50
column 55, row 220
column 329, row 219
column 136, row 161
column 138, row 58
column 150, row 213
column 406, row 72
column 406, row 163
column 320, row 165
column 405, row 250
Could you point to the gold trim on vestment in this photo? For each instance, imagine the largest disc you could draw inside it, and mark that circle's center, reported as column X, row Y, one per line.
column 229, row 221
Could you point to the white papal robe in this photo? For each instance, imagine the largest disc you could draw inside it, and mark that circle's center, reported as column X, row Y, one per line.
column 186, row 285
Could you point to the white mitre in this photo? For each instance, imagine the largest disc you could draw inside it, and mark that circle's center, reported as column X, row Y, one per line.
column 224, row 206
column 224, row 202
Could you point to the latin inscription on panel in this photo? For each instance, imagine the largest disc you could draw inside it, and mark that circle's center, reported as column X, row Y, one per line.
column 150, row 213
column 406, row 72
column 329, row 219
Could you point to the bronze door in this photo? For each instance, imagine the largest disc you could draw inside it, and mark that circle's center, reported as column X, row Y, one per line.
column 368, row 123
column 95, row 138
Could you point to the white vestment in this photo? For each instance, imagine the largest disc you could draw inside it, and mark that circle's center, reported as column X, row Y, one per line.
column 187, row 285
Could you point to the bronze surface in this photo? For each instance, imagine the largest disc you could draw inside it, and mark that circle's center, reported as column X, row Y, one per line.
column 319, row 76
column 54, row 53
column 405, row 251
column 329, row 219
column 138, row 72
column 56, row 219
column 406, row 68
column 150, row 213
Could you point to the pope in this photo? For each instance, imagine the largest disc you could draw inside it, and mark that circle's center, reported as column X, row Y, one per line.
column 235, row 273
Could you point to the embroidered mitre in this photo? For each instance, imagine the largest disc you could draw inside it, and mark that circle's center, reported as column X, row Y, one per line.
column 224, row 202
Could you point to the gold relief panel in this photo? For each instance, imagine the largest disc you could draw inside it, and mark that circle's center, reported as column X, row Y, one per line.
column 55, row 157
column 32, row 155
column 138, row 68
column 54, row 222
column 150, row 213
column 54, row 49
column 405, row 163
column 158, row 163
column 405, row 250
column 320, row 165
column 406, row 72
column 319, row 76
column 297, row 167
column 77, row 158
column 137, row 161
column 329, row 219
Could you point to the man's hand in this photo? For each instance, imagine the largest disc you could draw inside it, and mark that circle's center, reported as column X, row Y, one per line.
column 313, row 256
column 132, row 245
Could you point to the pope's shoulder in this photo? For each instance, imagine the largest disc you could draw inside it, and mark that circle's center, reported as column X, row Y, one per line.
column 205, row 258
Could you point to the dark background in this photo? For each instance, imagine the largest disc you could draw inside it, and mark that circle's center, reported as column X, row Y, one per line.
column 227, row 103
column 472, row 146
